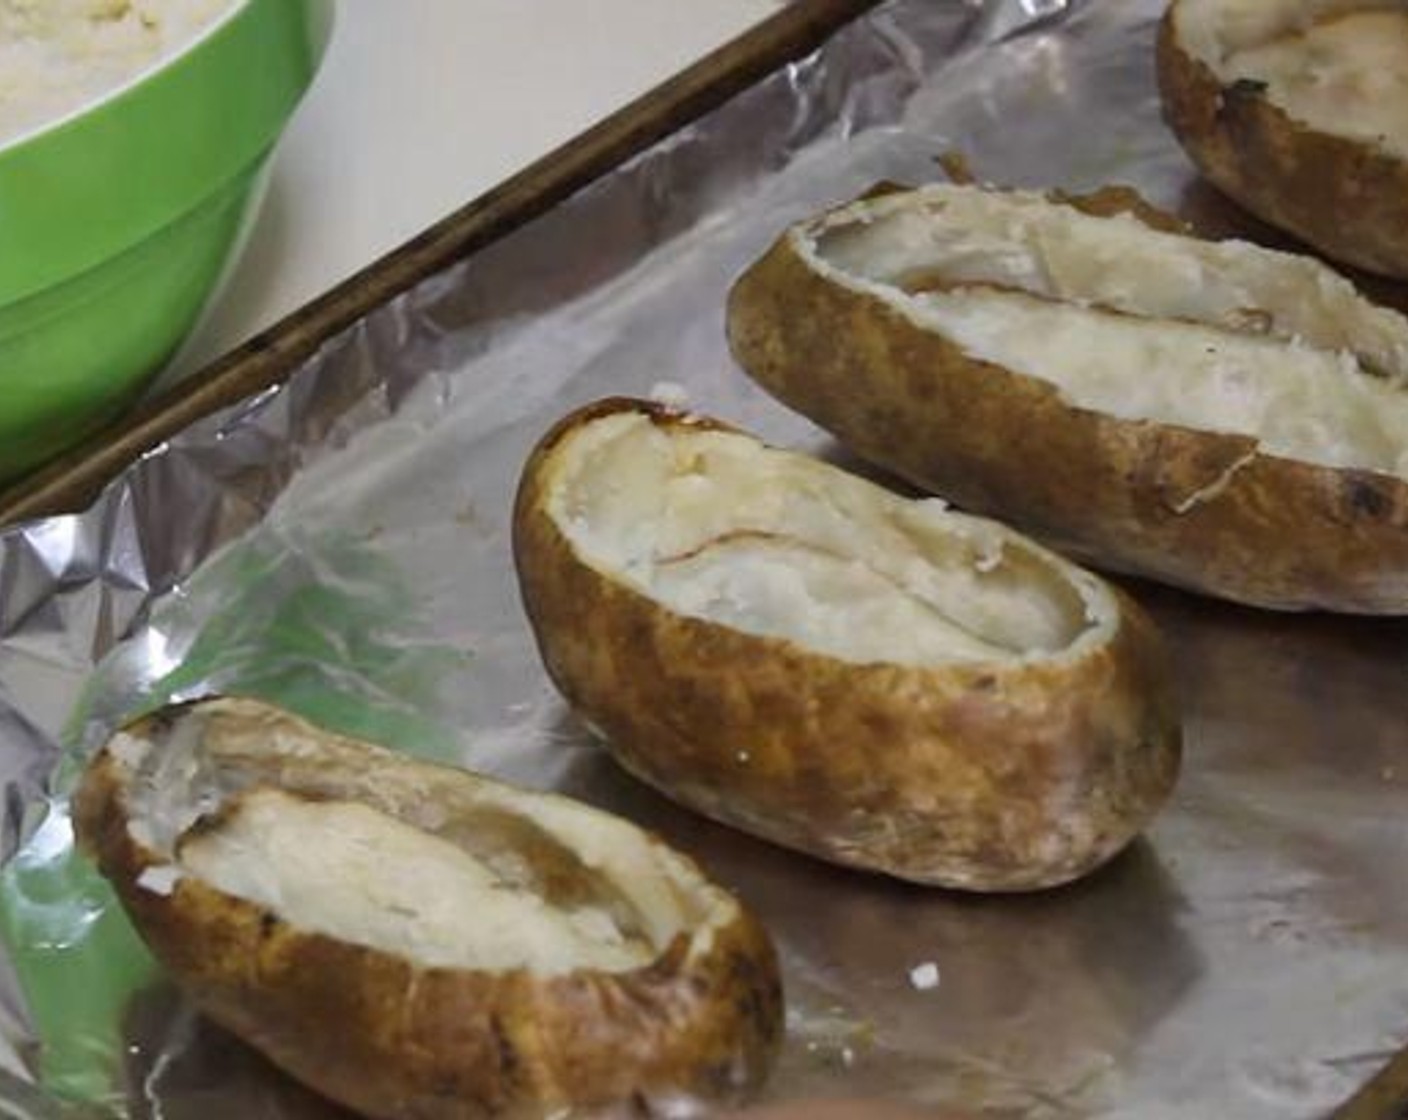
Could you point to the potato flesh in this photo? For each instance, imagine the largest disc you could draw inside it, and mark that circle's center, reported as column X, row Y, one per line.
column 1301, row 403
column 1140, row 324
column 1338, row 66
column 831, row 603
column 716, row 526
column 183, row 773
column 1347, row 76
column 348, row 871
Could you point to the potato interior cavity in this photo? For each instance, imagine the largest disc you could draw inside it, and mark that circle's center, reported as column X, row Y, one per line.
column 442, row 867
column 345, row 869
column 1135, row 323
column 717, row 526
column 1339, row 66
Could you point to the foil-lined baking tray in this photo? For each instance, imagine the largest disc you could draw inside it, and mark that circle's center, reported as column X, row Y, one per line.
column 339, row 544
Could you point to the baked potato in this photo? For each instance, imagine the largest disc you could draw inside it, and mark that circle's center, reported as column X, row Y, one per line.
column 414, row 941
column 800, row 653
column 1217, row 415
column 1298, row 109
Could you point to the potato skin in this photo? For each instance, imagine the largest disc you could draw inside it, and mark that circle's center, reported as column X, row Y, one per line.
column 1343, row 197
column 1198, row 509
column 388, row 1038
column 993, row 777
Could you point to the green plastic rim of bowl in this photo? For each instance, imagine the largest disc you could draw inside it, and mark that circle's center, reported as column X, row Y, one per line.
column 95, row 184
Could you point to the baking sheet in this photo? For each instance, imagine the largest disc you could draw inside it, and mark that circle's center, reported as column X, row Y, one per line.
column 341, row 546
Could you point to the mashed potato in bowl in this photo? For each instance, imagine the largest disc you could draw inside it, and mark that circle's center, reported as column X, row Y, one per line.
column 58, row 56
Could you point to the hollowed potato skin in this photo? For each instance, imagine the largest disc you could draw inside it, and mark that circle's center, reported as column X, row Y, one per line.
column 993, row 777
column 1201, row 510
column 388, row 1038
column 1343, row 197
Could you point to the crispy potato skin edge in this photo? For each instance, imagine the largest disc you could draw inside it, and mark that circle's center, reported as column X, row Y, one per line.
column 1201, row 510
column 985, row 777
column 375, row 1032
column 1342, row 197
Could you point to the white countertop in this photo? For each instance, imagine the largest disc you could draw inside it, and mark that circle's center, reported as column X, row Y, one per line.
column 421, row 106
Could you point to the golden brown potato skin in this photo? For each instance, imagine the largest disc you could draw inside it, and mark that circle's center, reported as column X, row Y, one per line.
column 387, row 1038
column 995, row 777
column 1344, row 198
column 1198, row 509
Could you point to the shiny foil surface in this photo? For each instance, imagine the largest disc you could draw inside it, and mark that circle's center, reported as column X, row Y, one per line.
column 341, row 546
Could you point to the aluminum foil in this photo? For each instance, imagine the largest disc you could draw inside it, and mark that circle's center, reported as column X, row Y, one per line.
column 340, row 545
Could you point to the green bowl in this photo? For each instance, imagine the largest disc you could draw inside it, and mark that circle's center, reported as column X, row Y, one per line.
column 117, row 223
